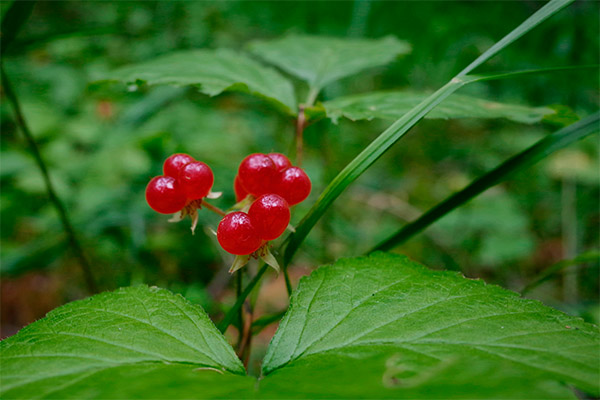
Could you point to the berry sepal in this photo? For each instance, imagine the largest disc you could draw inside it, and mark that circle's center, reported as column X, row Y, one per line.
column 244, row 204
column 190, row 209
column 239, row 262
column 265, row 254
column 214, row 195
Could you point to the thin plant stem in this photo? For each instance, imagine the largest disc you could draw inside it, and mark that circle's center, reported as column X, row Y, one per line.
column 231, row 314
column 238, row 293
column 212, row 208
column 300, row 125
column 54, row 199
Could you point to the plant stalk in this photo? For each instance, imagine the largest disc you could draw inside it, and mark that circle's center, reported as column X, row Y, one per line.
column 54, row 199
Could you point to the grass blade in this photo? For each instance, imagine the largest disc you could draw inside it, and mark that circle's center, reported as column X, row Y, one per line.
column 589, row 257
column 530, row 156
column 551, row 8
column 397, row 130
column 13, row 20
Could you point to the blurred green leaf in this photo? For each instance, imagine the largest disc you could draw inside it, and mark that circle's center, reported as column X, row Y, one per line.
column 321, row 60
column 392, row 105
column 383, row 326
column 212, row 72
column 398, row 129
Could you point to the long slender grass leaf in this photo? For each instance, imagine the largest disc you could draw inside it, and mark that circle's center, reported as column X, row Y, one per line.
column 533, row 154
column 397, row 130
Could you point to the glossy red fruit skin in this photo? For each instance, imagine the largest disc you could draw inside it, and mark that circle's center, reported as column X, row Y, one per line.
column 270, row 215
column 258, row 174
column 237, row 235
column 196, row 179
column 280, row 160
column 174, row 163
column 164, row 195
column 293, row 185
column 240, row 191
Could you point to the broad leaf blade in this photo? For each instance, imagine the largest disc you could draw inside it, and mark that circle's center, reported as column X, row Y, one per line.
column 393, row 105
column 389, row 312
column 320, row 60
column 212, row 72
column 136, row 333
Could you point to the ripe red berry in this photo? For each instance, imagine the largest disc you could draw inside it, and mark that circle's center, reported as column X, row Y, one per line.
column 164, row 195
column 237, row 234
column 174, row 163
column 281, row 161
column 258, row 174
column 196, row 179
column 294, row 185
column 270, row 215
column 240, row 191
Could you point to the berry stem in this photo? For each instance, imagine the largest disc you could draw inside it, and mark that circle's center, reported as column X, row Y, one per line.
column 212, row 208
column 301, row 123
column 54, row 199
column 232, row 313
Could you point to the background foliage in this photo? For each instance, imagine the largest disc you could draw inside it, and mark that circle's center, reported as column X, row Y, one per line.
column 102, row 143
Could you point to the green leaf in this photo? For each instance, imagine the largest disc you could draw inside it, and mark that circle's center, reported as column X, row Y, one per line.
column 384, row 326
column 393, row 105
column 212, row 72
column 524, row 159
column 321, row 60
column 126, row 343
column 398, row 129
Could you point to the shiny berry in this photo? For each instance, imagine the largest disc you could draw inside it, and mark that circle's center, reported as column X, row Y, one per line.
column 294, row 185
column 174, row 163
column 270, row 215
column 240, row 191
column 196, row 179
column 164, row 195
column 257, row 174
column 237, row 234
column 281, row 161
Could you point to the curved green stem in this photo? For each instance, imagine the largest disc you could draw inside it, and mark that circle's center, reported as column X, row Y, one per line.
column 54, row 199
column 233, row 312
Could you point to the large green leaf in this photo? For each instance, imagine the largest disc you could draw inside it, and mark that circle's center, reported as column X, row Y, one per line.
column 372, row 327
column 392, row 105
column 212, row 72
column 384, row 326
column 131, row 342
column 320, row 60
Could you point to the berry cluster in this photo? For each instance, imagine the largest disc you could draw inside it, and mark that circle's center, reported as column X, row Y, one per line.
column 260, row 174
column 184, row 181
column 265, row 187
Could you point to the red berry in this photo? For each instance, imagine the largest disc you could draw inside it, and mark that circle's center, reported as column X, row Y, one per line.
column 164, row 195
column 270, row 215
column 237, row 235
column 281, row 161
column 294, row 185
column 174, row 163
column 258, row 174
column 240, row 191
column 196, row 179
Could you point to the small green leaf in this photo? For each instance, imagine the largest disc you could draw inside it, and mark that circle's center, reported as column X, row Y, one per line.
column 126, row 343
column 384, row 326
column 392, row 105
column 321, row 60
column 212, row 72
